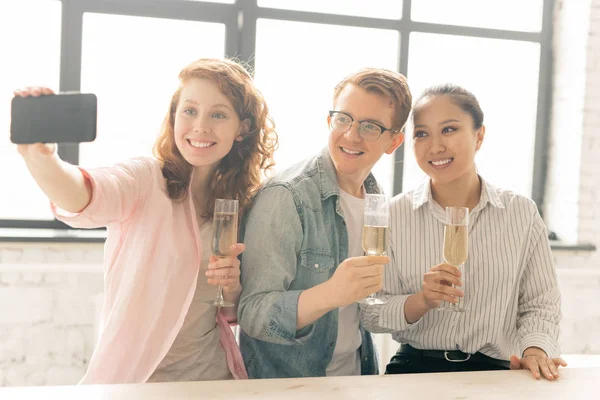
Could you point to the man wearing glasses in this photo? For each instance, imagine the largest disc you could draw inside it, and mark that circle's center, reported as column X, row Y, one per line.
column 303, row 269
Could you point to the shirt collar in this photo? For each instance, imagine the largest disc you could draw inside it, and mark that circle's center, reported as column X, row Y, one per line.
column 489, row 194
column 422, row 194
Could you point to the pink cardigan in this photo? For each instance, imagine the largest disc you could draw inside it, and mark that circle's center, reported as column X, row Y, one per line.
column 151, row 262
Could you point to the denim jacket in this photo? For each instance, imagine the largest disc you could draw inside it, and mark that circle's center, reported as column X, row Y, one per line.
column 295, row 238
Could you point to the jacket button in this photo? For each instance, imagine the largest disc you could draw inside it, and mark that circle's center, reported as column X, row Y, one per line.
column 316, row 265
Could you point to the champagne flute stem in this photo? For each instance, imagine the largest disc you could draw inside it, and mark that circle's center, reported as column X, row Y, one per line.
column 455, row 305
column 219, row 294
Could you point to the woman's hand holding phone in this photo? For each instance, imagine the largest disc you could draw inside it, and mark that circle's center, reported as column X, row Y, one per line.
column 38, row 115
column 35, row 151
column 63, row 183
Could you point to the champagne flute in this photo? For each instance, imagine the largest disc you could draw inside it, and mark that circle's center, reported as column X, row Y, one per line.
column 224, row 235
column 456, row 249
column 375, row 233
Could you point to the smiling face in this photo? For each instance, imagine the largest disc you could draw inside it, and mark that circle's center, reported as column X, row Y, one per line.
column 352, row 156
column 445, row 141
column 206, row 123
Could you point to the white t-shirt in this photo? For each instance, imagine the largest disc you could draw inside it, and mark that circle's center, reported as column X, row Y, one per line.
column 197, row 354
column 346, row 357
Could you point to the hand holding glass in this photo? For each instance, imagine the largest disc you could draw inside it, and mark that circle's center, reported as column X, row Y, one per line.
column 375, row 233
column 456, row 246
column 224, row 235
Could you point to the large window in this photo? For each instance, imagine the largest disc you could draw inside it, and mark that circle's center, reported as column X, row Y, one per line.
column 388, row 9
column 128, row 52
column 134, row 94
column 29, row 57
column 514, row 15
column 297, row 74
column 507, row 91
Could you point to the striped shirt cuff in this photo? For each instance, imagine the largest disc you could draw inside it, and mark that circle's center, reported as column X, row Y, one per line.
column 541, row 340
column 392, row 316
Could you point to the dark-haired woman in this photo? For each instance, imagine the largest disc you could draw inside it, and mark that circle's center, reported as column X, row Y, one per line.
column 508, row 284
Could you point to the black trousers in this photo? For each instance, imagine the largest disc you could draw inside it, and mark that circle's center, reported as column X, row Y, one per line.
column 409, row 360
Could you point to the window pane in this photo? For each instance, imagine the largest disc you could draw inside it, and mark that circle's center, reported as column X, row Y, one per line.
column 518, row 15
column 297, row 74
column 503, row 75
column 215, row 1
column 388, row 9
column 132, row 63
column 30, row 57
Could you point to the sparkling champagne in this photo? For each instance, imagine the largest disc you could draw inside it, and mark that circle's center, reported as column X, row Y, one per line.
column 224, row 233
column 374, row 239
column 455, row 244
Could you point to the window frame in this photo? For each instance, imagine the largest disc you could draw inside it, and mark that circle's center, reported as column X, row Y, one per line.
column 240, row 20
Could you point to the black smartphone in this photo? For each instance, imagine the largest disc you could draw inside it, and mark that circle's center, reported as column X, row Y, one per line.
column 54, row 118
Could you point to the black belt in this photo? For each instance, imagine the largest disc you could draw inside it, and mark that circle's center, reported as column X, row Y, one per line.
column 453, row 356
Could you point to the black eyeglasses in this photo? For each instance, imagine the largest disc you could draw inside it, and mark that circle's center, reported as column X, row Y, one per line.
column 368, row 130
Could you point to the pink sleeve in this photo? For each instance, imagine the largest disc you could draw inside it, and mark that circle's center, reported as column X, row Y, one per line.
column 116, row 191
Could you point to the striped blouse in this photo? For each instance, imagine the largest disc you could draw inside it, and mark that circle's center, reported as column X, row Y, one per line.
column 511, row 292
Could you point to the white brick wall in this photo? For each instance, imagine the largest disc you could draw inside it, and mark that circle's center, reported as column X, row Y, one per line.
column 564, row 158
column 581, row 319
column 47, row 312
column 573, row 197
column 589, row 229
column 573, row 186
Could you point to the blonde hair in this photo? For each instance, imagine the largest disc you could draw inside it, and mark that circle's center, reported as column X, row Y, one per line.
column 387, row 83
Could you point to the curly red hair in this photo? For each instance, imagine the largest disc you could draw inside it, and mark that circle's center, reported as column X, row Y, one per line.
column 239, row 174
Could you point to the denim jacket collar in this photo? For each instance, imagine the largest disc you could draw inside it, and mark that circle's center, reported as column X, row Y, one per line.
column 328, row 180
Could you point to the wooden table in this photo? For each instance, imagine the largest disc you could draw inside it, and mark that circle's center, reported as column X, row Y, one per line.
column 574, row 383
